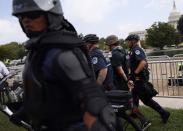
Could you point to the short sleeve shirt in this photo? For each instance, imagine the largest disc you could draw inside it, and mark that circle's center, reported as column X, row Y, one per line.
column 99, row 62
column 136, row 55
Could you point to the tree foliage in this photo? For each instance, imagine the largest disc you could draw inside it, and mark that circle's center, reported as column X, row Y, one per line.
column 102, row 44
column 12, row 51
column 161, row 34
column 144, row 44
column 180, row 24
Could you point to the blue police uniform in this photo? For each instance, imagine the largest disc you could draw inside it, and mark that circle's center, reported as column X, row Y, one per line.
column 119, row 59
column 136, row 55
column 140, row 81
column 99, row 62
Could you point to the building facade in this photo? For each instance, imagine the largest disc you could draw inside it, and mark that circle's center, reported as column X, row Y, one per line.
column 141, row 34
column 174, row 16
column 172, row 19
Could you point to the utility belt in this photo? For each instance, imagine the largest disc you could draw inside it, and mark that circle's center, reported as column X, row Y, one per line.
column 138, row 78
column 141, row 79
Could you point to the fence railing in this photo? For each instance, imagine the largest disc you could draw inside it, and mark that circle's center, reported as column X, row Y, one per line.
column 166, row 74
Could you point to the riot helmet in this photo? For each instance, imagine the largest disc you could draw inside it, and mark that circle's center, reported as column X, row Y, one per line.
column 51, row 9
column 132, row 37
column 112, row 39
column 91, row 38
column 23, row 6
column 180, row 24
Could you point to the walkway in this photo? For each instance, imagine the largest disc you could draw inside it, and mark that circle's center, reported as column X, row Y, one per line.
column 175, row 103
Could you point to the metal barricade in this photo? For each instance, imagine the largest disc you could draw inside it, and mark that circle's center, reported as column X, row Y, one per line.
column 166, row 74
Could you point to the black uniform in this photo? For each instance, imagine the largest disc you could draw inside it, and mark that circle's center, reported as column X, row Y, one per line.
column 140, row 81
column 99, row 62
column 58, row 82
column 119, row 58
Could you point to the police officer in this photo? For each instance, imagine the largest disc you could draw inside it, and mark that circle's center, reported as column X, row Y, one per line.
column 140, row 75
column 119, row 62
column 60, row 91
column 102, row 68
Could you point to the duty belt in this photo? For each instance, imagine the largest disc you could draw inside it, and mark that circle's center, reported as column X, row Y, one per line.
column 138, row 78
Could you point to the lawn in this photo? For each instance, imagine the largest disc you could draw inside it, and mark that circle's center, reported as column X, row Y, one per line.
column 5, row 125
column 175, row 122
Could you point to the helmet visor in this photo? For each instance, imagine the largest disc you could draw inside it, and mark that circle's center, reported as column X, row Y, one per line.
column 45, row 5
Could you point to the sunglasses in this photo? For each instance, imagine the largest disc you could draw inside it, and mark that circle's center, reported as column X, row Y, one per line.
column 30, row 15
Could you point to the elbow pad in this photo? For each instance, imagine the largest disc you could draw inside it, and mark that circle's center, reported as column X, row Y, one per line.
column 95, row 100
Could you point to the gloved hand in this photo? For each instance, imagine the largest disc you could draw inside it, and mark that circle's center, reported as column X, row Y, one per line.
column 106, row 121
column 98, row 126
column 108, row 118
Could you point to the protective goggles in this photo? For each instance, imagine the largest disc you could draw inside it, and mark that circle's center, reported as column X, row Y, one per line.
column 30, row 15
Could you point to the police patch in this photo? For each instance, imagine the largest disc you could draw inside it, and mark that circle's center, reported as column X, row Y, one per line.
column 94, row 60
column 137, row 52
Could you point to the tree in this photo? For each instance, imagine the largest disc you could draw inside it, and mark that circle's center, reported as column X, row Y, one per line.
column 12, row 51
column 180, row 24
column 180, row 27
column 161, row 34
column 102, row 44
column 144, row 44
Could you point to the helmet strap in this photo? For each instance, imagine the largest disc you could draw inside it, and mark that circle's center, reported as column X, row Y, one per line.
column 54, row 21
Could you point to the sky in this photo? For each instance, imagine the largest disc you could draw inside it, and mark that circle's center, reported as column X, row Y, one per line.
column 101, row 17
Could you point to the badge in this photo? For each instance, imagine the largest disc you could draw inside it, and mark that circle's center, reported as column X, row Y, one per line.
column 94, row 60
column 137, row 52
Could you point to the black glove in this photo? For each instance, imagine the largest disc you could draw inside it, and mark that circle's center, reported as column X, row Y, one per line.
column 98, row 126
column 108, row 118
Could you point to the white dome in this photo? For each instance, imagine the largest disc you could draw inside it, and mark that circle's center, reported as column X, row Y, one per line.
column 174, row 16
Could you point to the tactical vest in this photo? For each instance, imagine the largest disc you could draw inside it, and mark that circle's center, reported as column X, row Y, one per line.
column 46, row 100
column 125, row 61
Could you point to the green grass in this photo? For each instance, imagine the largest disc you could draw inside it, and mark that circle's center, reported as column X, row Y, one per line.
column 6, row 125
column 175, row 122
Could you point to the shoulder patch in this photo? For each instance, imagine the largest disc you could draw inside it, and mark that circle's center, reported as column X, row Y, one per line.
column 94, row 60
column 137, row 52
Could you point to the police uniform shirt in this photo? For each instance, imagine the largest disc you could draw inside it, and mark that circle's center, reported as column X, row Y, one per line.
column 99, row 62
column 136, row 55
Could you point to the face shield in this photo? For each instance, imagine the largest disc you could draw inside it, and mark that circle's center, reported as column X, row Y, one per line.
column 23, row 6
column 48, row 5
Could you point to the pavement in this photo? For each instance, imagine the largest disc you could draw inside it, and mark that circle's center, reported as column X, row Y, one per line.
column 169, row 102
